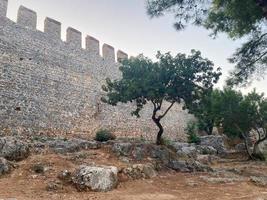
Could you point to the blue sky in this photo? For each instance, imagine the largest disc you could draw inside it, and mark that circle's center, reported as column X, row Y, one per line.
column 125, row 25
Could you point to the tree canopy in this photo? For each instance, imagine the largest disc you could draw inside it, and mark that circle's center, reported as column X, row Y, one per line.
column 239, row 18
column 179, row 79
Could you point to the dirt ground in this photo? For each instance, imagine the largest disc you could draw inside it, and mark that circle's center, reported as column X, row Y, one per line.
column 24, row 184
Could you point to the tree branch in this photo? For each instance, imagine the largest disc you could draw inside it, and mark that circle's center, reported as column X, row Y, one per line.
column 161, row 116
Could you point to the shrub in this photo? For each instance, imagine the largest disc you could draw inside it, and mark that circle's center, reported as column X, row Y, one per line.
column 191, row 131
column 104, row 135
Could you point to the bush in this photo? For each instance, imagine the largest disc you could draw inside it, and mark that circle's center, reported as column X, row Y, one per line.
column 191, row 131
column 104, row 135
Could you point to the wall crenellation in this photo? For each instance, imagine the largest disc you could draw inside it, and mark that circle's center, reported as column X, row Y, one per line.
column 3, row 7
column 52, row 27
column 28, row 18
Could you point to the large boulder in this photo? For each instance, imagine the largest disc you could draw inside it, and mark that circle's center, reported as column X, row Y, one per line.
column 5, row 166
column 139, row 171
column 96, row 178
column 13, row 149
column 215, row 141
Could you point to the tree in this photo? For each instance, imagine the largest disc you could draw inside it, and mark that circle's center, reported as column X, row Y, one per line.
column 203, row 110
column 239, row 115
column 238, row 19
column 179, row 79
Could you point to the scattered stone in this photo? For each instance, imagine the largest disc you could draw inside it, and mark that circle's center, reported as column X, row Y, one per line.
column 259, row 181
column 215, row 180
column 13, row 149
column 96, row 178
column 5, row 166
column 65, row 176
column 54, row 186
column 40, row 168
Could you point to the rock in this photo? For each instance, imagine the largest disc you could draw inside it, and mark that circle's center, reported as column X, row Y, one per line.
column 13, row 149
column 96, row 178
column 184, row 150
column 54, row 186
column 206, row 150
column 259, row 181
column 39, row 168
column 139, row 171
column 217, row 142
column 195, row 166
column 122, row 149
column 72, row 145
column 65, row 176
column 138, row 152
column 160, row 153
column 260, row 151
column 178, row 165
column 215, row 180
column 241, row 147
column 207, row 159
column 5, row 166
column 190, row 152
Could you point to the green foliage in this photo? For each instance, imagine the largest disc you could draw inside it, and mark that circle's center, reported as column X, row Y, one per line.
column 192, row 132
column 170, row 79
column 104, row 135
column 238, row 18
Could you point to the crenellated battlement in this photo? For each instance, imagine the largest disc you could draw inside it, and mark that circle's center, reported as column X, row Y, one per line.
column 28, row 18
column 52, row 27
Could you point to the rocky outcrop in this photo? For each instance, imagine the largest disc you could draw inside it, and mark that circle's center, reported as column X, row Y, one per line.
column 13, row 149
column 96, row 178
column 217, row 142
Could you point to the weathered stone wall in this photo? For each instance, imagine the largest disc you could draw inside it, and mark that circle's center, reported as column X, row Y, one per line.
column 48, row 85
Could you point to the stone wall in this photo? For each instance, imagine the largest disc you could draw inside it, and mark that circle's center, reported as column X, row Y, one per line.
column 51, row 85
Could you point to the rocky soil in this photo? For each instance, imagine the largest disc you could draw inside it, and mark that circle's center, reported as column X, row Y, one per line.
column 79, row 169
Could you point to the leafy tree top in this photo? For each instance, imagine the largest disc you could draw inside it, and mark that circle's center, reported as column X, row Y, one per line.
column 171, row 79
column 236, row 18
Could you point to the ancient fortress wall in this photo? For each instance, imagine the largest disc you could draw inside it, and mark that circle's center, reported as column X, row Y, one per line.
column 51, row 85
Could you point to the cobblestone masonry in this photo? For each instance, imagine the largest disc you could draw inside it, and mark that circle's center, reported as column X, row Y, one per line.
column 48, row 85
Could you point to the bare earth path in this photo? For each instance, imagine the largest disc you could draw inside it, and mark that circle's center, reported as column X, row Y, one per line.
column 23, row 184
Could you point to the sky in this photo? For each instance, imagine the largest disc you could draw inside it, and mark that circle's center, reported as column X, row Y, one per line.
column 125, row 25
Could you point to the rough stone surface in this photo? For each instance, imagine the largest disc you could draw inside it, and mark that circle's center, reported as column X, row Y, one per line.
column 214, row 141
column 50, row 86
column 13, row 149
column 206, row 150
column 96, row 178
column 259, row 181
column 5, row 167
column 139, row 171
column 71, row 145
